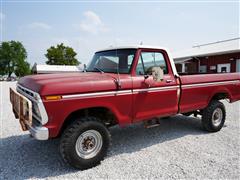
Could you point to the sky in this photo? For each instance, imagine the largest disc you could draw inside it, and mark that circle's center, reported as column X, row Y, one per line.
column 89, row 26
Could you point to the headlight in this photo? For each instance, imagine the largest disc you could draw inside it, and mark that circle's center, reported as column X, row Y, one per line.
column 36, row 110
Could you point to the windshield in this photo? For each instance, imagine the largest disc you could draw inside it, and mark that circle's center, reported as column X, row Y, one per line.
column 112, row 61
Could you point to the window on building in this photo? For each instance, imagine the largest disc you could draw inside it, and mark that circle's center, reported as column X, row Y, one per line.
column 203, row 69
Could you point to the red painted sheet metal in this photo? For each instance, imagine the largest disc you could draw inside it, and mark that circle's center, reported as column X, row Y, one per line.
column 206, row 78
column 198, row 90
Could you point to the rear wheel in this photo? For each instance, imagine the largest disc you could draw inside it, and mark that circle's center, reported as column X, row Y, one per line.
column 213, row 117
column 85, row 143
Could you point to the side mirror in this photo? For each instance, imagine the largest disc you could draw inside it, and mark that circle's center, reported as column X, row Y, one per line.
column 157, row 73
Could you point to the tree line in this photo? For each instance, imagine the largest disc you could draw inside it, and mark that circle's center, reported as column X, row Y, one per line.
column 13, row 58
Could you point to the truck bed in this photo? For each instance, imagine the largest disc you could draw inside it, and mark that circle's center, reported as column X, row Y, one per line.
column 199, row 89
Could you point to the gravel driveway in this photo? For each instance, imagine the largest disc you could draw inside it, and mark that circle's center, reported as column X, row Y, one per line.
column 178, row 148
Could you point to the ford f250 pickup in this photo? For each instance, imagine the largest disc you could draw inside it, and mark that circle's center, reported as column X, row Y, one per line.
column 120, row 86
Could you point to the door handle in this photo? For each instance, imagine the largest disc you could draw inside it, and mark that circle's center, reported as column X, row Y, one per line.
column 168, row 80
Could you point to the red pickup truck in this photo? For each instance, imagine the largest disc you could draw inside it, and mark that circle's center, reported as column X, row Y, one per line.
column 120, row 86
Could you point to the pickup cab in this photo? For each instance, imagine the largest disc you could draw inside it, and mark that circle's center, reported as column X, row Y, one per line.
column 120, row 86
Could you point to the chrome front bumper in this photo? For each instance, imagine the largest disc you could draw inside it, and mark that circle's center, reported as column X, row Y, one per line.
column 39, row 132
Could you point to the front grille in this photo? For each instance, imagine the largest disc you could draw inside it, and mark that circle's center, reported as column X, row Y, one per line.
column 30, row 96
column 26, row 91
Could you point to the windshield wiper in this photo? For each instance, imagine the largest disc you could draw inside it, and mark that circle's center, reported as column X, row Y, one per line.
column 100, row 70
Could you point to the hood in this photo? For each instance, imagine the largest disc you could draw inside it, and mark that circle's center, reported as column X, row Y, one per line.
column 69, row 83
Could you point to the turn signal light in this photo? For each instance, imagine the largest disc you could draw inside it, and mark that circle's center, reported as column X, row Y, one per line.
column 51, row 98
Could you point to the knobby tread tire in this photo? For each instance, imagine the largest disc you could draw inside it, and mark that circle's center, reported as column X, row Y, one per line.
column 207, row 116
column 69, row 138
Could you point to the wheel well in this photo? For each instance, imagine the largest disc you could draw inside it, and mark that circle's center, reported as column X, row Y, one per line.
column 220, row 96
column 106, row 116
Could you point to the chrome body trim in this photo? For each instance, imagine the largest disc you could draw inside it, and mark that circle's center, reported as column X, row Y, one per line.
column 209, row 84
column 98, row 94
column 37, row 99
column 157, row 89
column 154, row 89
column 119, row 93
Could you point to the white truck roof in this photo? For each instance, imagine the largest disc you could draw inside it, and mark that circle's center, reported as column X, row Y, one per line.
column 131, row 47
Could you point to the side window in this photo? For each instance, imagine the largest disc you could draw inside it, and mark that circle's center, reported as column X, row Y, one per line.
column 160, row 61
column 130, row 60
column 148, row 60
column 139, row 69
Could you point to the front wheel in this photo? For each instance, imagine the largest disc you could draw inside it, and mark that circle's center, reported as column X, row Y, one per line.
column 85, row 143
column 213, row 117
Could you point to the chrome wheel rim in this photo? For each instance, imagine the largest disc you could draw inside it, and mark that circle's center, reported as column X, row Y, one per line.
column 89, row 144
column 217, row 117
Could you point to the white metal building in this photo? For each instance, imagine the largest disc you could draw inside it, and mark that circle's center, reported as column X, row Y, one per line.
column 216, row 57
column 49, row 69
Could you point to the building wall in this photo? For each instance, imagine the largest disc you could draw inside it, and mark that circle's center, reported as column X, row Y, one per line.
column 192, row 66
column 178, row 67
column 238, row 65
column 220, row 59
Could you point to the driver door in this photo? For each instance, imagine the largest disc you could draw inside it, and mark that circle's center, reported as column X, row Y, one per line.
column 152, row 98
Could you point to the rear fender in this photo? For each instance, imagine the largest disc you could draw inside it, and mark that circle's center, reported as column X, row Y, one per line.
column 221, row 90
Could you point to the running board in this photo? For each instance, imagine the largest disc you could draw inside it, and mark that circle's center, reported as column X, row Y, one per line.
column 151, row 123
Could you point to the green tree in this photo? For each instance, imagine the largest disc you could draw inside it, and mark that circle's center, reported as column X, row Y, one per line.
column 13, row 59
column 61, row 55
column 22, row 69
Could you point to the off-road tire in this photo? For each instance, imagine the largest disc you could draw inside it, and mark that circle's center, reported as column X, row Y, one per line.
column 208, row 113
column 69, row 139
